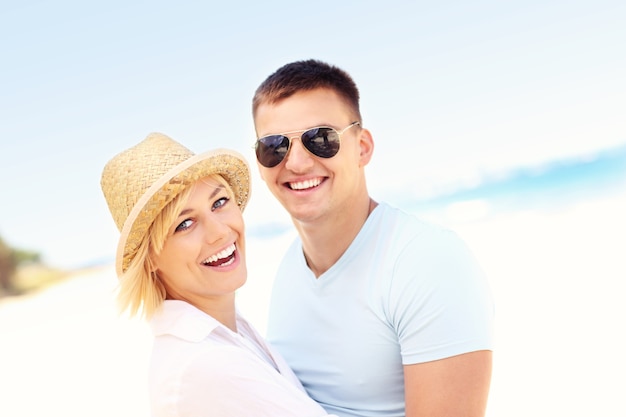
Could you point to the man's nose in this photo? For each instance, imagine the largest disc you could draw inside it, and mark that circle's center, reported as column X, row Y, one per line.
column 299, row 158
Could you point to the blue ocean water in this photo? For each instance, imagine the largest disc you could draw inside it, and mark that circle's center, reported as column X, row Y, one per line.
column 557, row 183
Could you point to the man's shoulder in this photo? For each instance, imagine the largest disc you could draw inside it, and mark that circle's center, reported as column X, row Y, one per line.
column 402, row 222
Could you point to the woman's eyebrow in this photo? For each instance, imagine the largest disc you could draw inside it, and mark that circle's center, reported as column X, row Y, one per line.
column 213, row 194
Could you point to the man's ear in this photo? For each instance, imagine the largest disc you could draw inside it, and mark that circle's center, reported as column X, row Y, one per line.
column 366, row 143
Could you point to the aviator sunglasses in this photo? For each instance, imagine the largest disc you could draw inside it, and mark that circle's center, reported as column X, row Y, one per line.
column 322, row 141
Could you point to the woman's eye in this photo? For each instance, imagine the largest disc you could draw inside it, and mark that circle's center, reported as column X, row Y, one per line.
column 220, row 202
column 184, row 225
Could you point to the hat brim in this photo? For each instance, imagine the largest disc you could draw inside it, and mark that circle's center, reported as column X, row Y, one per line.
column 227, row 163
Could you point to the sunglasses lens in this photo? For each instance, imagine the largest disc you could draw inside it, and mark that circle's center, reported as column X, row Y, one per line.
column 321, row 141
column 271, row 150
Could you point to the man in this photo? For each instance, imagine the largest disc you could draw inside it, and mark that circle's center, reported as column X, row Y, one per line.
column 377, row 312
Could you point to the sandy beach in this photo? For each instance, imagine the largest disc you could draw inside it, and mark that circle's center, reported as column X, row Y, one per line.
column 557, row 277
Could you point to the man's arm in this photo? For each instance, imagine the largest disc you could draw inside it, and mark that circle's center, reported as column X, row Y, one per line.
column 452, row 387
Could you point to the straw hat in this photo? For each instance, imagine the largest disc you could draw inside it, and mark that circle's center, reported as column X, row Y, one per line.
column 139, row 182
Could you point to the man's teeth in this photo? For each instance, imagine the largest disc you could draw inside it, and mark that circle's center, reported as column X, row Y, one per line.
column 225, row 253
column 303, row 185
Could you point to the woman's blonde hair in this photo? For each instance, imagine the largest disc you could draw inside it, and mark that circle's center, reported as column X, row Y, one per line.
column 140, row 291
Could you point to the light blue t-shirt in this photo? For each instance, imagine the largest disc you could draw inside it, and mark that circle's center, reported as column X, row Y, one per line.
column 404, row 292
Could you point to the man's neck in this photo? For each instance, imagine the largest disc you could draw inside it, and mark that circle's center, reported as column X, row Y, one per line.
column 327, row 239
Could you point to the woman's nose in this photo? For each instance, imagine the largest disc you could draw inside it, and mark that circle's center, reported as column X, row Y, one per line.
column 215, row 228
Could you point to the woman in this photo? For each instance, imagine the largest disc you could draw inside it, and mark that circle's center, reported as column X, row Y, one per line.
column 180, row 259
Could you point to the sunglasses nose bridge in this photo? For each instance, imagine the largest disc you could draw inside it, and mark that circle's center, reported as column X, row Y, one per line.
column 293, row 139
column 298, row 153
column 293, row 136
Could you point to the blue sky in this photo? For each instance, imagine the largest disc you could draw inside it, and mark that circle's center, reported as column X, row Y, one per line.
column 454, row 92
